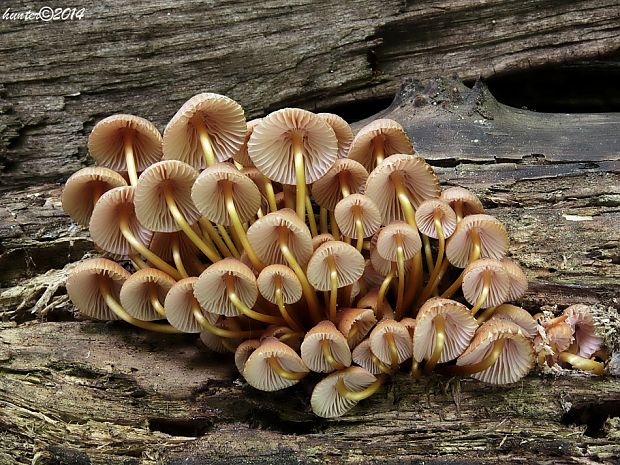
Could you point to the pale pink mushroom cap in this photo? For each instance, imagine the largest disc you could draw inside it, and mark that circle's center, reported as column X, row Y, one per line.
column 518, row 280
column 311, row 352
column 178, row 304
column 135, row 293
column 425, row 218
column 387, row 244
column 379, row 343
column 473, row 282
column 327, row 191
column 362, row 355
column 326, row 402
column 349, row 265
column 493, row 239
column 392, row 134
column 243, row 352
column 357, row 206
column 581, row 320
column 360, row 319
column 289, row 283
column 343, row 132
column 519, row 316
column 471, row 204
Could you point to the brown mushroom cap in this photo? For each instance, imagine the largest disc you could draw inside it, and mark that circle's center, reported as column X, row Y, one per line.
column 471, row 204
column 518, row 280
column 379, row 345
column 151, row 207
column 263, row 236
column 178, row 304
column 104, row 227
column 136, row 293
column 418, row 178
column 271, row 147
column 581, row 321
column 243, row 352
column 83, row 286
column 519, row 316
column 106, row 143
column 343, row 132
column 242, row 156
column 326, row 402
column 357, row 205
column 312, row 354
column 349, row 265
column 515, row 360
column 460, row 327
column 210, row 289
column 387, row 244
column 370, row 300
column 327, row 190
column 269, row 278
column 560, row 336
column 259, row 374
column 493, row 239
column 79, row 189
column 473, row 282
column 361, row 320
column 425, row 218
column 410, row 324
column 161, row 245
column 209, row 198
column 372, row 277
column 225, row 124
column 394, row 137
column 321, row 239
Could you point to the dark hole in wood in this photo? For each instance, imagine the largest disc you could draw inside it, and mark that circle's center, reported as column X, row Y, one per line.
column 189, row 427
column 592, row 415
column 359, row 109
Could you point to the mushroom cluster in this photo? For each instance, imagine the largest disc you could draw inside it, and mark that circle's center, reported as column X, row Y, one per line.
column 303, row 249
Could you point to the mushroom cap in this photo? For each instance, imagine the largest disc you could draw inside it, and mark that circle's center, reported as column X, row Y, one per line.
column 78, row 192
column 208, row 195
column 425, row 218
column 471, row 204
column 518, row 280
column 104, row 227
column 178, row 305
column 357, row 205
column 410, row 323
column 519, row 316
column 362, row 319
column 372, row 277
column 243, row 352
column 362, row 355
column 370, row 300
column 460, row 327
column 516, row 359
column 473, row 282
column 260, row 375
column 321, row 239
column 342, row 130
column 560, row 335
column 216, row 343
column 326, row 402
column 493, row 239
column 135, row 293
column 395, row 140
column 271, row 145
column 224, row 120
column 349, row 265
column 242, row 156
column 326, row 191
column 293, row 340
column 151, row 207
column 106, row 142
column 311, row 352
column 83, row 286
column 379, row 344
column 581, row 321
column 271, row 276
column 418, row 178
column 161, row 245
column 210, row 289
column 263, row 236
column 387, row 245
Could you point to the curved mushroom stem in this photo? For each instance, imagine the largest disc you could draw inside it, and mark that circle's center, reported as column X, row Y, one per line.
column 283, row 311
column 155, row 303
column 484, row 316
column 474, row 254
column 137, row 261
column 582, row 363
column 308, row 291
column 216, row 330
column 119, row 311
column 333, row 294
column 311, row 219
column 328, row 356
column 205, row 140
column 385, row 285
column 130, row 159
column 212, row 238
column 143, row 250
column 270, row 194
column 300, row 175
column 230, row 245
column 323, row 220
column 275, row 365
column 400, row 262
column 247, row 311
column 176, row 257
column 440, row 337
column 335, row 229
column 482, row 298
column 345, row 187
column 292, row 335
column 378, row 150
column 440, row 250
column 427, row 253
column 353, row 331
column 458, row 209
column 389, row 337
column 358, row 395
column 380, row 365
column 483, row 364
column 238, row 227
column 359, row 230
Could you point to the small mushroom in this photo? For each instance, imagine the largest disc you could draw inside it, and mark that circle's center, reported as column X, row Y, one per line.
column 391, row 343
column 485, row 284
column 279, row 285
column 243, row 352
column 143, row 293
column 462, row 201
column 379, row 139
column 356, row 323
column 517, row 315
column 363, row 356
column 342, row 130
column 324, row 348
column 357, row 217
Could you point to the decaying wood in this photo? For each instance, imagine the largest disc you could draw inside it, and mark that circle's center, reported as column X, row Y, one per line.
column 58, row 78
column 103, row 393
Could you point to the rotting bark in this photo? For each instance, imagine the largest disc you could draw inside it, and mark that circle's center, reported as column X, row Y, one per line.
column 104, row 393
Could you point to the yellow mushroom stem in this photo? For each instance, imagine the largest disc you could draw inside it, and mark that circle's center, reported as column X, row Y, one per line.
column 484, row 316
column 230, row 245
column 392, row 348
column 154, row 299
column 205, row 140
column 353, row 331
column 311, row 219
column 474, row 254
column 385, row 285
column 282, row 307
column 270, row 194
column 415, row 369
column 359, row 231
column 282, row 372
column 176, row 256
column 212, row 238
column 228, row 346
column 96, row 192
column 323, row 215
column 119, row 311
column 400, row 263
column 428, row 254
column 187, row 229
column 238, row 227
column 137, row 261
column 333, row 294
column 378, row 149
column 143, row 250
column 130, row 158
column 291, row 335
column 482, row 365
column 326, row 350
column 243, row 308
column 441, row 239
column 300, row 175
column 582, row 363
column 308, row 291
column 440, row 336
column 380, row 365
column 345, row 186
column 216, row 330
column 357, row 396
column 237, row 241
column 482, row 298
column 458, row 209
column 335, row 229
